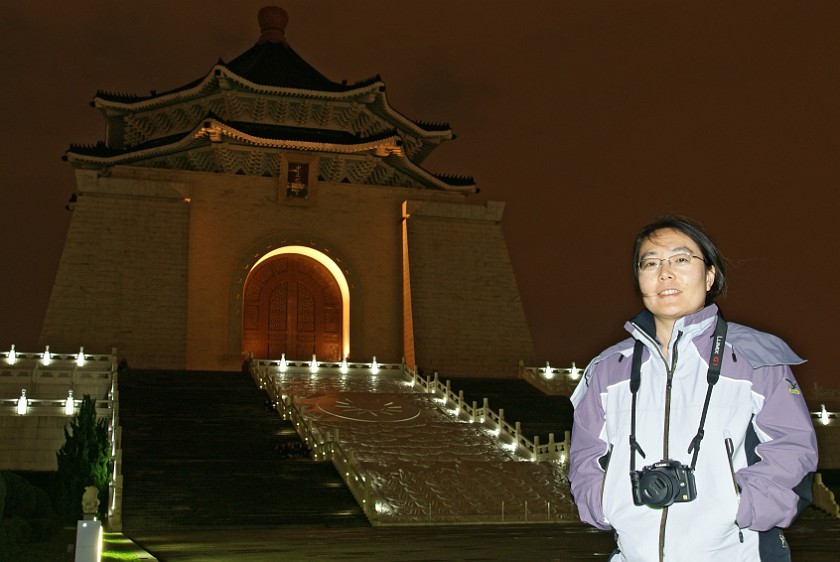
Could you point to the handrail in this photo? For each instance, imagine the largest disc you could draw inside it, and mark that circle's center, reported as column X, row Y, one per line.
column 115, row 483
column 551, row 380
column 509, row 434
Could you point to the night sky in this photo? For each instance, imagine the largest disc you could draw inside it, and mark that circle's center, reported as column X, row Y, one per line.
column 588, row 118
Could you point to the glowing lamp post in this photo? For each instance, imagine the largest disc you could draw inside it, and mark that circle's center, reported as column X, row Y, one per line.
column 47, row 356
column 69, row 404
column 374, row 366
column 283, row 365
column 80, row 358
column 23, row 403
column 823, row 414
column 574, row 373
column 313, row 365
column 12, row 356
column 344, row 367
column 548, row 372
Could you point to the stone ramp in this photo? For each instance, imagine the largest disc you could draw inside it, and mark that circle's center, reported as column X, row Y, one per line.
column 422, row 462
column 204, row 449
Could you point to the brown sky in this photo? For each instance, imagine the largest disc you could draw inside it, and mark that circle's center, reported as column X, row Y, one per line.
column 588, row 118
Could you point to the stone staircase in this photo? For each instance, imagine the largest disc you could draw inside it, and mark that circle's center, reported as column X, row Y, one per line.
column 204, row 449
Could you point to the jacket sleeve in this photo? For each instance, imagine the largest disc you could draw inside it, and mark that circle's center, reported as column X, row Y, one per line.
column 588, row 448
column 786, row 453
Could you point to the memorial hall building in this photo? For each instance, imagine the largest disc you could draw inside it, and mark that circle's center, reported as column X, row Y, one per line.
column 264, row 209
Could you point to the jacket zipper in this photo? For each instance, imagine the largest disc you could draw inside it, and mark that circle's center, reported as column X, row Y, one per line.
column 670, row 377
column 670, row 371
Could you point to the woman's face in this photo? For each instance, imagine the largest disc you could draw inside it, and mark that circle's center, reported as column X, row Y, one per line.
column 669, row 292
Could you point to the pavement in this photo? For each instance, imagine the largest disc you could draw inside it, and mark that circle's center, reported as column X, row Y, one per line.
column 815, row 540
column 118, row 546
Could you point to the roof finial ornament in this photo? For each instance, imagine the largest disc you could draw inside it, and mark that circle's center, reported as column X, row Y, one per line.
column 273, row 20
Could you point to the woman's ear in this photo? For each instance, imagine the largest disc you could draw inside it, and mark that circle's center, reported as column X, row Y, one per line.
column 710, row 277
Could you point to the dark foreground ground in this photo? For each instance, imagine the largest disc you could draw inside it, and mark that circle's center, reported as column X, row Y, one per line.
column 811, row 541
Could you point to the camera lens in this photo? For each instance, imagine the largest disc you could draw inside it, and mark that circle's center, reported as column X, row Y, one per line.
column 657, row 488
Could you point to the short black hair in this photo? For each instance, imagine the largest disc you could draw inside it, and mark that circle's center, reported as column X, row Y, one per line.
column 710, row 253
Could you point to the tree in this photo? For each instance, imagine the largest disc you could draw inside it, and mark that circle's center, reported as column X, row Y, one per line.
column 82, row 461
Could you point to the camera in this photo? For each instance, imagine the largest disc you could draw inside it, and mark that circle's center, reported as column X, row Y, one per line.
column 663, row 483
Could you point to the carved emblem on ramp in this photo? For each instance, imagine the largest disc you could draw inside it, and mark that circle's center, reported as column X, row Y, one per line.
column 369, row 407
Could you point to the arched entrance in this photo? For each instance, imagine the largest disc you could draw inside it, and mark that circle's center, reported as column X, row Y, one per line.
column 292, row 304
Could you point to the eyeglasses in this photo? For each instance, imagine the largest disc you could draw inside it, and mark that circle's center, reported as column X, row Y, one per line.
column 677, row 261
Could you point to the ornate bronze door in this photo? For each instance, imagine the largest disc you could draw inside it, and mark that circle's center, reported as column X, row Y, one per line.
column 292, row 305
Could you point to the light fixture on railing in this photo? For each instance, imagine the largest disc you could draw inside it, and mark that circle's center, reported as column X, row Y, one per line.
column 47, row 356
column 80, row 358
column 374, row 366
column 69, row 404
column 283, row 365
column 574, row 372
column 548, row 373
column 823, row 414
column 313, row 365
column 12, row 355
column 22, row 403
column 344, row 367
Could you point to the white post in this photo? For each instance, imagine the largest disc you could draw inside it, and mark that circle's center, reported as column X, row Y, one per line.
column 88, row 541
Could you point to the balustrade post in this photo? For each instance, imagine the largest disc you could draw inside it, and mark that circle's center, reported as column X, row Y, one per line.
column 501, row 420
column 567, row 437
column 461, row 400
column 473, row 411
column 516, row 431
column 536, row 447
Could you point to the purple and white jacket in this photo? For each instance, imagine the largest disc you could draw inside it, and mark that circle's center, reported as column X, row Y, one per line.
column 756, row 403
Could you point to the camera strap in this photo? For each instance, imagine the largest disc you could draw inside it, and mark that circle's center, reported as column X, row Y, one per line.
column 712, row 376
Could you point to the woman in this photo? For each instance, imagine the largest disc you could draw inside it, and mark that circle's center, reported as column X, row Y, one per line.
column 711, row 427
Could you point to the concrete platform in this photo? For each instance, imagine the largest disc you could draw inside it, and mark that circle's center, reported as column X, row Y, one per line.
column 810, row 540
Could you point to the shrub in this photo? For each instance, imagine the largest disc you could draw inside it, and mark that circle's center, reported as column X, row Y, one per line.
column 82, row 461
column 28, row 514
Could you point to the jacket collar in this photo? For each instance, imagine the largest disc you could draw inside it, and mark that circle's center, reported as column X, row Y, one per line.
column 689, row 325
